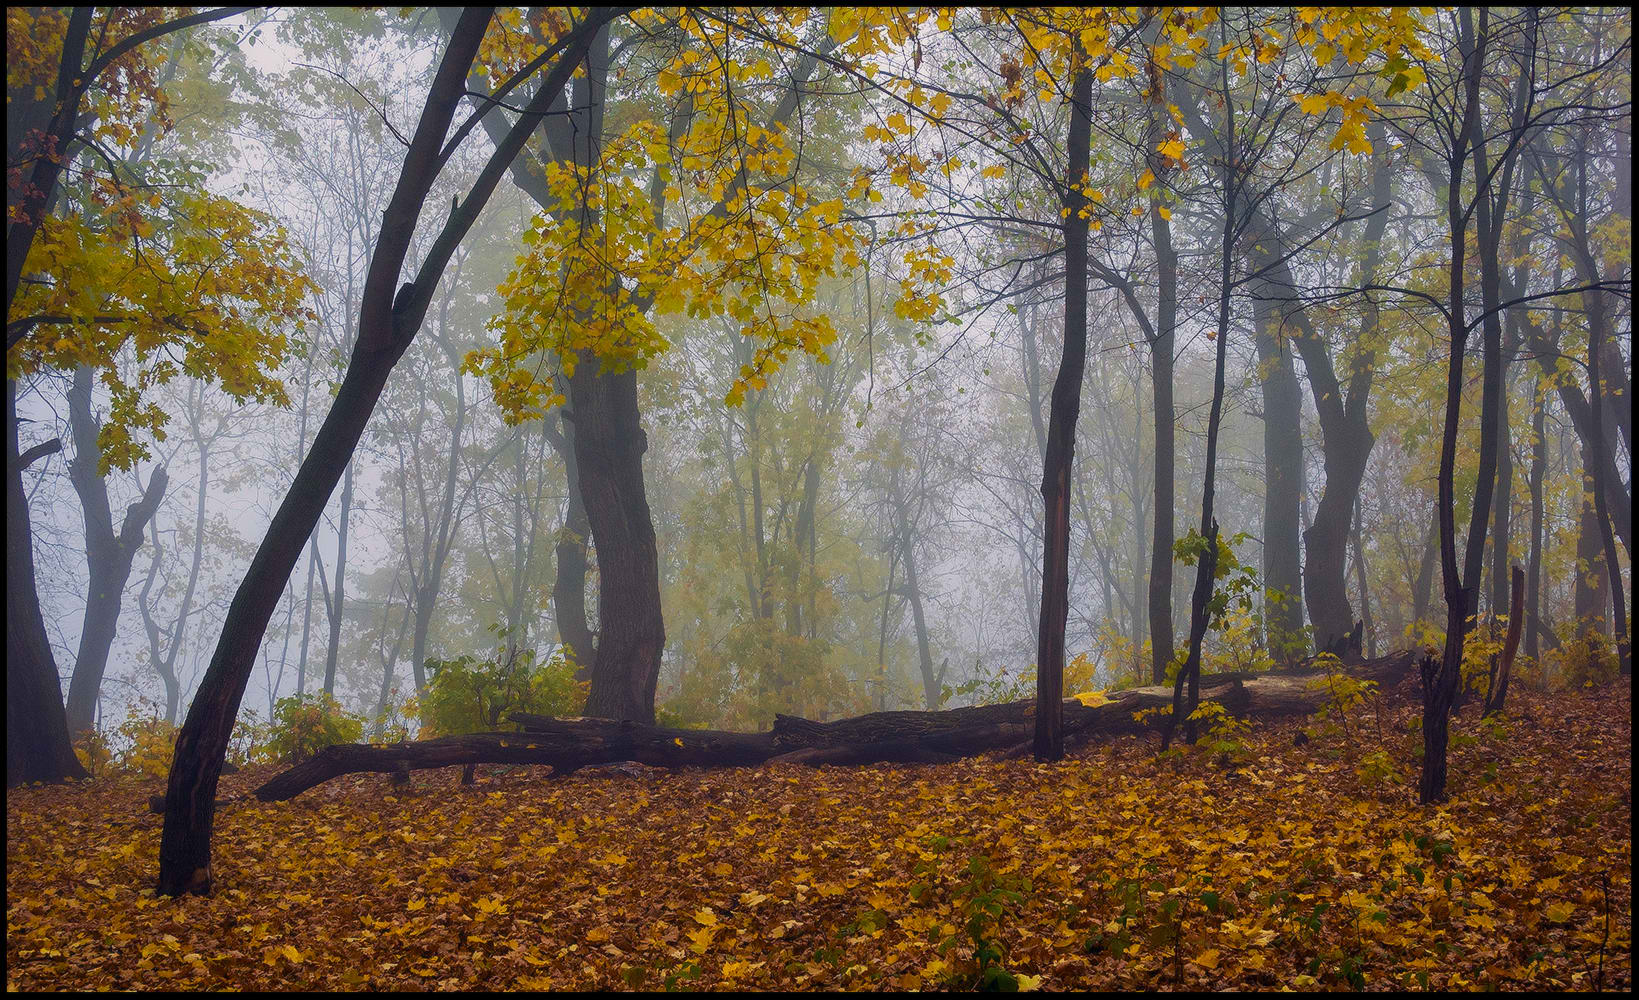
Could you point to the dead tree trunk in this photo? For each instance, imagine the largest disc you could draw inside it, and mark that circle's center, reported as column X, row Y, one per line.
column 903, row 737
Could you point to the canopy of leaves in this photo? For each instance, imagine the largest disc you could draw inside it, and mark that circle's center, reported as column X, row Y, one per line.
column 138, row 269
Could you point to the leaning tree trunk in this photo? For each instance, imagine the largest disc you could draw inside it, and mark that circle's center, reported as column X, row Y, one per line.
column 1503, row 668
column 1064, row 408
column 387, row 325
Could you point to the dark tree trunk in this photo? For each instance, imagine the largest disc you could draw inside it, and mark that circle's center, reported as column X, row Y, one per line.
column 387, row 325
column 1366, row 624
column 1591, row 599
column 108, row 555
column 1063, row 409
column 1283, row 482
column 1462, row 583
column 569, row 582
column 1501, row 522
column 37, row 742
column 609, row 446
column 1441, row 677
column 1164, row 534
column 1200, row 615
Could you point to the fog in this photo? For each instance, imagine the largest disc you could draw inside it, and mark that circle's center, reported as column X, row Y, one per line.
column 864, row 531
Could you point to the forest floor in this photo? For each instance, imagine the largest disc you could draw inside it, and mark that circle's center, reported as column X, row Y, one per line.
column 1300, row 863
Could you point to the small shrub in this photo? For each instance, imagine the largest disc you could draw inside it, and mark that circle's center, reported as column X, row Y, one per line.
column 95, row 755
column 1224, row 731
column 1343, row 693
column 466, row 694
column 1587, row 660
column 984, row 900
column 305, row 724
column 141, row 746
column 149, row 742
column 1377, row 768
column 249, row 743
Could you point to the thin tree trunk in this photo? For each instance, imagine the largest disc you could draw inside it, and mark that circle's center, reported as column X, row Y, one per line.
column 1498, row 691
column 338, row 593
column 1441, row 680
column 932, row 682
column 1064, row 408
column 108, row 554
column 1539, row 469
column 1207, row 565
column 1164, row 534
column 1365, row 595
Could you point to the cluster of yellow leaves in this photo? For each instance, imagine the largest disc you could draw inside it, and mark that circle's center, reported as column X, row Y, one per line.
column 195, row 284
column 126, row 97
column 708, row 220
column 517, row 35
column 1142, row 873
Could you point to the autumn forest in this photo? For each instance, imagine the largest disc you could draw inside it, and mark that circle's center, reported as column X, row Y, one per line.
column 976, row 498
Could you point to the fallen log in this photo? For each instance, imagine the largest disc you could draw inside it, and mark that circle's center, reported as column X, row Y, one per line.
column 567, row 745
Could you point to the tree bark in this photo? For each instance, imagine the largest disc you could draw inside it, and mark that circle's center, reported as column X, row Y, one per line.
column 1441, row 680
column 37, row 742
column 1063, row 409
column 569, row 580
column 609, row 447
column 1533, row 571
column 108, row 555
column 1206, row 567
column 1283, row 483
